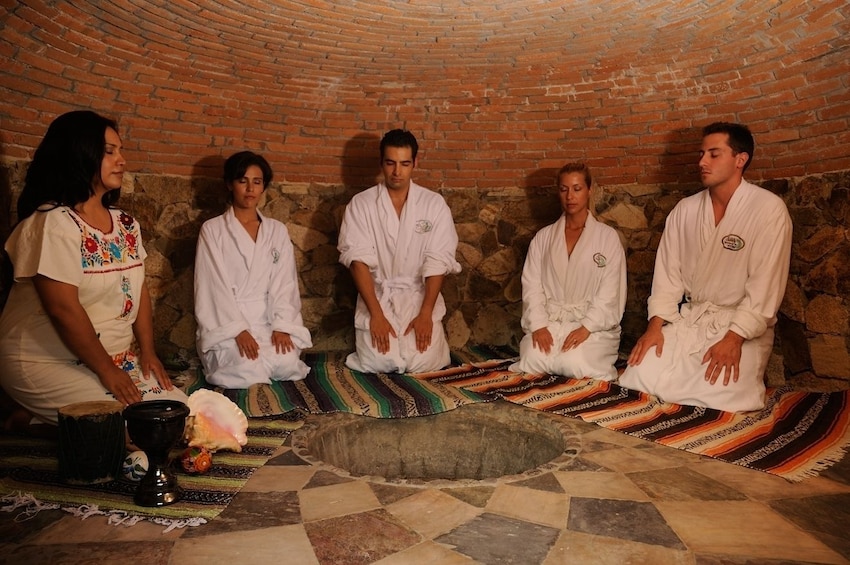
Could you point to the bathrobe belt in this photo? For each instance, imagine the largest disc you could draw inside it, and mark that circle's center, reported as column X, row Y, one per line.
column 562, row 312
column 397, row 294
column 700, row 320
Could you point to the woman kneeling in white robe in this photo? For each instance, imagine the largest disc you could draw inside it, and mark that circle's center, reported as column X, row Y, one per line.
column 573, row 289
column 247, row 301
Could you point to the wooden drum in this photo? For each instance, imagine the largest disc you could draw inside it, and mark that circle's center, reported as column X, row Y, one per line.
column 91, row 442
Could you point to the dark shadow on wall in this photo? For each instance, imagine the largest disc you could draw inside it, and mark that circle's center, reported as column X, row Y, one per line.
column 544, row 208
column 678, row 164
column 209, row 195
column 676, row 175
column 542, row 197
column 359, row 169
column 361, row 162
column 171, row 211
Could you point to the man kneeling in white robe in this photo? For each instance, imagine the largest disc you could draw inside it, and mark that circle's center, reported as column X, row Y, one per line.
column 573, row 289
column 724, row 256
column 399, row 241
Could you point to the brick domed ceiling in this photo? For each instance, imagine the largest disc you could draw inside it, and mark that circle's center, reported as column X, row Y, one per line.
column 493, row 89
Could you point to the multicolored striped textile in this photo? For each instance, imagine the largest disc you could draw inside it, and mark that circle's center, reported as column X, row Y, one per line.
column 29, row 481
column 333, row 387
column 797, row 434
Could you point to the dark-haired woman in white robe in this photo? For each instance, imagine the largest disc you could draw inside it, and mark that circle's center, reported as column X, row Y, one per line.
column 247, row 301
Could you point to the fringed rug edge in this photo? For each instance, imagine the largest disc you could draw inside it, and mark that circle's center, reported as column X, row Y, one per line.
column 30, row 506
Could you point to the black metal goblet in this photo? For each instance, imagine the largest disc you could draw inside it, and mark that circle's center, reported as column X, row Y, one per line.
column 155, row 426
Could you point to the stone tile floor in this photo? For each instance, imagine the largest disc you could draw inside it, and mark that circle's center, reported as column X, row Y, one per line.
column 620, row 500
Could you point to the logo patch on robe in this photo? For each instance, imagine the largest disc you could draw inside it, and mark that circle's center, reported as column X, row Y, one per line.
column 275, row 256
column 423, row 226
column 733, row 242
column 600, row 260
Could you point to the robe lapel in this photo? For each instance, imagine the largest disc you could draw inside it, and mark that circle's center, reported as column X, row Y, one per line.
column 559, row 261
column 405, row 231
column 389, row 219
column 711, row 236
column 245, row 246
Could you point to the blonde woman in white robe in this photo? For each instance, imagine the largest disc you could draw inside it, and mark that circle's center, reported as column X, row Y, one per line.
column 720, row 276
column 573, row 289
column 247, row 301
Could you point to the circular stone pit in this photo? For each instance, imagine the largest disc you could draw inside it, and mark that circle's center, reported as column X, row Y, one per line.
column 477, row 442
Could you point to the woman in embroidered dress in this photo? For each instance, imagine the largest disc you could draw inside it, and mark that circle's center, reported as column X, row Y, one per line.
column 79, row 297
column 573, row 289
column 247, row 301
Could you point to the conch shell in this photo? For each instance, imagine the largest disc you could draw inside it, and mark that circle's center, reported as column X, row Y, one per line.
column 215, row 422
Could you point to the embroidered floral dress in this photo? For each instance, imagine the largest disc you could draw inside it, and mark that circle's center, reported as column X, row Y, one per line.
column 38, row 370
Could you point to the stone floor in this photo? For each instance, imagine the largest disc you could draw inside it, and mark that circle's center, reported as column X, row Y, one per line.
column 616, row 500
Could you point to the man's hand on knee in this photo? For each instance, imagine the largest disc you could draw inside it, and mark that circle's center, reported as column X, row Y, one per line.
column 422, row 327
column 381, row 330
column 724, row 357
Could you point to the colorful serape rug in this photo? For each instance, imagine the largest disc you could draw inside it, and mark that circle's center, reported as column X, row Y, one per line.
column 332, row 387
column 29, row 481
column 797, row 435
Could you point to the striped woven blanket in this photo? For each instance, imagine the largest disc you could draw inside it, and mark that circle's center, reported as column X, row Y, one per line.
column 30, row 482
column 797, row 434
column 332, row 387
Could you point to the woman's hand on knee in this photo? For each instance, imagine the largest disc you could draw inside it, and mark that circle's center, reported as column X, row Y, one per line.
column 576, row 338
column 121, row 386
column 247, row 345
column 542, row 339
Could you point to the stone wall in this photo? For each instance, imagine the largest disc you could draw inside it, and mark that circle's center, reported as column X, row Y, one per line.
column 495, row 228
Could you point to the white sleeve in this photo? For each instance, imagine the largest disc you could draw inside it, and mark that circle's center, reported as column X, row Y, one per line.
column 285, row 296
column 668, row 287
column 768, row 275
column 355, row 240
column 218, row 316
column 534, row 316
column 440, row 255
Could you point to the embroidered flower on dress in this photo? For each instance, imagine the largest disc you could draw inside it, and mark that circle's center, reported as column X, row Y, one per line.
column 423, row 226
column 126, row 220
column 128, row 297
column 115, row 250
column 99, row 251
column 275, row 256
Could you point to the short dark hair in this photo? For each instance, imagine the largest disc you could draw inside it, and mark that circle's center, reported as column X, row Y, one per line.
column 66, row 162
column 399, row 138
column 576, row 168
column 740, row 138
column 238, row 163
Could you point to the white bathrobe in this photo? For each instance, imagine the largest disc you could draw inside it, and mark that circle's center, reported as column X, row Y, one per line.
column 731, row 276
column 241, row 285
column 401, row 252
column 563, row 292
